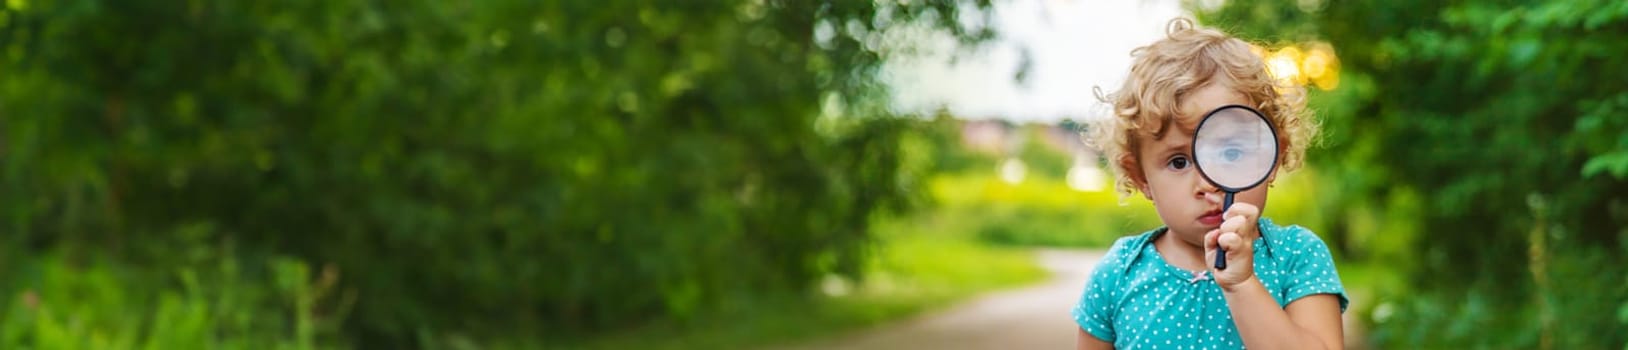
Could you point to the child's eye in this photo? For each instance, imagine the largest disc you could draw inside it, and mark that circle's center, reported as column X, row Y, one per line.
column 1178, row 163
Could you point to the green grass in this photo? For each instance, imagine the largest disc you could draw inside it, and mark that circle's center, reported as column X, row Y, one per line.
column 1039, row 211
column 921, row 263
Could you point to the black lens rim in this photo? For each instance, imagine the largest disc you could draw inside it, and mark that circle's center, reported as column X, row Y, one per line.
column 1276, row 145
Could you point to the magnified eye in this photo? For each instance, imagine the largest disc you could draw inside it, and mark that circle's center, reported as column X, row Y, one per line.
column 1232, row 154
column 1178, row 163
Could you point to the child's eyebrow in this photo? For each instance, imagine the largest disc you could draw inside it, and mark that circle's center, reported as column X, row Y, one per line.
column 1171, row 147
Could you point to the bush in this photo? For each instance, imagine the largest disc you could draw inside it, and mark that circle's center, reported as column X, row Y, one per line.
column 55, row 302
column 1039, row 211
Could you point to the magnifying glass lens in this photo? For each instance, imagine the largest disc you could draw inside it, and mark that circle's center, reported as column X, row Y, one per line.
column 1235, row 148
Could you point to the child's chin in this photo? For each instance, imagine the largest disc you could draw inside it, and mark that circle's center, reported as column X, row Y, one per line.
column 1192, row 235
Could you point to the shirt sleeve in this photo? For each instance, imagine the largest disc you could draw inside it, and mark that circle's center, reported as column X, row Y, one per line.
column 1095, row 311
column 1313, row 270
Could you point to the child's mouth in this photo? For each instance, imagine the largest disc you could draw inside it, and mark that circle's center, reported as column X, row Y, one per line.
column 1210, row 218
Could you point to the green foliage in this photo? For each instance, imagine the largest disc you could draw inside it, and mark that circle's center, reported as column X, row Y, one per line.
column 1567, row 315
column 1039, row 211
column 943, row 134
column 1502, row 124
column 100, row 305
column 1041, row 154
column 469, row 168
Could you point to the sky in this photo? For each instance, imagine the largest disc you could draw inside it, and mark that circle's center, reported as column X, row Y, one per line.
column 1072, row 45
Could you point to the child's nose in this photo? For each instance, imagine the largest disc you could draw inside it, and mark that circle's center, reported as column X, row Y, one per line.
column 1206, row 191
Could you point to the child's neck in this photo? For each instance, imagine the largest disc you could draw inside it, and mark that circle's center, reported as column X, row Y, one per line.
column 1180, row 253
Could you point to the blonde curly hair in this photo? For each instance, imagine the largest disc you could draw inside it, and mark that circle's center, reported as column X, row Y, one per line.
column 1165, row 72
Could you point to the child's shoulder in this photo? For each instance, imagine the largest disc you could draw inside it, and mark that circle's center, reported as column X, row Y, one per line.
column 1125, row 252
column 1297, row 263
column 1130, row 245
column 1294, row 237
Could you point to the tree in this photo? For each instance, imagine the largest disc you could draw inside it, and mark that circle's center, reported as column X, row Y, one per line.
column 562, row 165
column 1505, row 120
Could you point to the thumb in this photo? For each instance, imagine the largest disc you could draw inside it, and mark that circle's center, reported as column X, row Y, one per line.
column 1212, row 240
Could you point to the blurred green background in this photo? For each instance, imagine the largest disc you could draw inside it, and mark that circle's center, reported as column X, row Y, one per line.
column 728, row 173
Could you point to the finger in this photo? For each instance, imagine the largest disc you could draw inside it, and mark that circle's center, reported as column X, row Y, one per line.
column 1243, row 221
column 1233, row 224
column 1212, row 245
column 1230, row 241
column 1248, row 211
column 1239, row 209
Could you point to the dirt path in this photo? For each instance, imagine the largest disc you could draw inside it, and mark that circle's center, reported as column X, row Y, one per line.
column 1030, row 318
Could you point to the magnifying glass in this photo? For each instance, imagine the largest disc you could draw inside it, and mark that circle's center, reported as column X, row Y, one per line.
column 1234, row 149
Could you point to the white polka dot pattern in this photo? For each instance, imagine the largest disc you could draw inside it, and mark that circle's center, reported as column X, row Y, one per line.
column 1135, row 299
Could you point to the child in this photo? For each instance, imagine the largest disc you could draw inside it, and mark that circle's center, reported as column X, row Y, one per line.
column 1279, row 289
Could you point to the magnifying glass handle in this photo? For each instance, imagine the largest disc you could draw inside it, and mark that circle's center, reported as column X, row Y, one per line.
column 1221, row 254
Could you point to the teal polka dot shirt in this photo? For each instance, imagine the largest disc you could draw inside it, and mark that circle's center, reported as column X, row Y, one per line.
column 1137, row 300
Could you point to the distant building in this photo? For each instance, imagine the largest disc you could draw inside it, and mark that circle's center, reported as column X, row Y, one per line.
column 994, row 137
column 1063, row 140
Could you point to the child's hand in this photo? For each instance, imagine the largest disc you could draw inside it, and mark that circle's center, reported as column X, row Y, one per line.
column 1236, row 235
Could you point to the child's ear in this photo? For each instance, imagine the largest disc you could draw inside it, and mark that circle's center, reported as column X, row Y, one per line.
column 1127, row 162
column 1133, row 171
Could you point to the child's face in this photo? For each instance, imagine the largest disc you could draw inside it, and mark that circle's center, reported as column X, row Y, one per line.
column 1186, row 203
